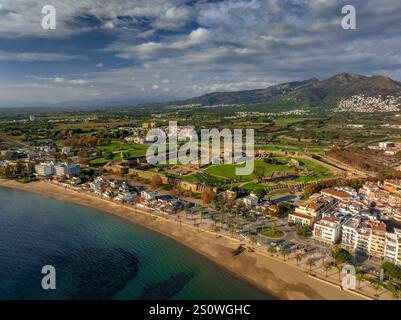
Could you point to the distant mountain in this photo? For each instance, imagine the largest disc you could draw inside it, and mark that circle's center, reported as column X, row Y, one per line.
column 312, row 93
column 250, row 96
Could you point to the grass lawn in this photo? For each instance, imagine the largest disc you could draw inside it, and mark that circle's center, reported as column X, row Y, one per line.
column 227, row 171
column 270, row 232
column 133, row 150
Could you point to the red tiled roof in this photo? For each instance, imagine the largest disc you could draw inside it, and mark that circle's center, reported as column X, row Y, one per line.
column 336, row 193
column 301, row 215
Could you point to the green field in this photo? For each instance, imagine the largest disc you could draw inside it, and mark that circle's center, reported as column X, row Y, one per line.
column 270, row 232
column 283, row 122
column 133, row 150
column 130, row 151
column 227, row 171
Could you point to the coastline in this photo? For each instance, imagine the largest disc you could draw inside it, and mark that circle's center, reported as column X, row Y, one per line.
column 270, row 275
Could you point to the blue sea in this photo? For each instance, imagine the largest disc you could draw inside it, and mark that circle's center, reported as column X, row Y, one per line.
column 99, row 256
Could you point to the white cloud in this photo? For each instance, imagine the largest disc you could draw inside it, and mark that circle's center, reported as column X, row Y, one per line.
column 78, row 81
column 25, row 18
column 236, row 44
column 58, row 80
column 196, row 37
column 108, row 25
column 36, row 56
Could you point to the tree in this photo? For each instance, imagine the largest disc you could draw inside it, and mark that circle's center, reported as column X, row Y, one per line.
column 208, row 197
column 340, row 255
column 284, row 253
column 271, row 249
column 260, row 193
column 238, row 227
column 391, row 270
column 339, row 269
column 396, row 293
column 376, row 285
column 259, row 172
column 216, row 229
column 298, row 258
column 253, row 241
column 108, row 155
column 327, row 266
column 310, row 263
column 156, row 181
column 392, row 288
column 360, row 276
column 304, row 231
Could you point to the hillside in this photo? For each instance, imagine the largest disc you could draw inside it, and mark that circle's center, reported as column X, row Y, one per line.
column 330, row 93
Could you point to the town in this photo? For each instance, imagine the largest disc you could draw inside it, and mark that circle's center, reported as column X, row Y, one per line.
column 315, row 214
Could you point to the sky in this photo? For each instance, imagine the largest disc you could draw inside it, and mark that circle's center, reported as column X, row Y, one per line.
column 134, row 51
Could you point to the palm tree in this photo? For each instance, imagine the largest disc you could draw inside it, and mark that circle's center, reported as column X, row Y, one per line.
column 310, row 263
column 397, row 294
column 327, row 266
column 271, row 249
column 375, row 284
column 253, row 241
column 339, row 269
column 360, row 276
column 238, row 226
column 298, row 258
column 179, row 219
column 284, row 253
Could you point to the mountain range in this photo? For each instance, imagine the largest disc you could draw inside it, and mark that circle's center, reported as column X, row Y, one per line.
column 340, row 91
column 312, row 92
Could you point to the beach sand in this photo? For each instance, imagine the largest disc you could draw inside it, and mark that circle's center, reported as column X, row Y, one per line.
column 275, row 277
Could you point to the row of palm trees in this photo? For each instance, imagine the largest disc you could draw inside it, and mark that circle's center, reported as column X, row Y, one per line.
column 361, row 275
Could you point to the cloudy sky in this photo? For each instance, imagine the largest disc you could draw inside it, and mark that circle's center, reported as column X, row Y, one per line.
column 153, row 50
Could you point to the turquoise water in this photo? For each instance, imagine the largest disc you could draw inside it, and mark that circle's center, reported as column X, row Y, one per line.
column 99, row 256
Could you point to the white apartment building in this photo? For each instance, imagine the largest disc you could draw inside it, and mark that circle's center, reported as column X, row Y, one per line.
column 251, row 200
column 66, row 150
column 44, row 169
column 67, row 169
column 349, row 234
column 393, row 247
column 373, row 239
column 311, row 210
column 315, row 206
column 50, row 169
column 327, row 229
column 149, row 195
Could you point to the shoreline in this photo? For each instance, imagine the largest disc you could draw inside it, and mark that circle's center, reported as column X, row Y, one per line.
column 274, row 277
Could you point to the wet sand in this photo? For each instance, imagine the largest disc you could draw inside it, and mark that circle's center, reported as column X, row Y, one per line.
column 277, row 278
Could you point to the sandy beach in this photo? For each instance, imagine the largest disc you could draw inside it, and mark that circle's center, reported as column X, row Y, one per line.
column 277, row 278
